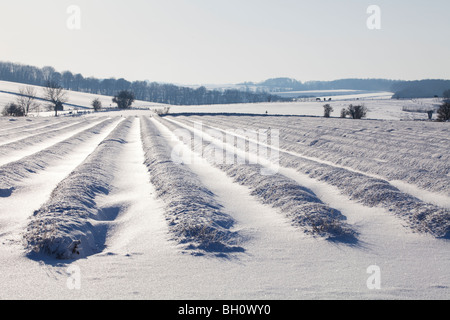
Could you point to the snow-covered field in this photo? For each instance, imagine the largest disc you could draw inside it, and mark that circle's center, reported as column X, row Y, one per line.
column 129, row 205
column 380, row 109
column 76, row 100
column 380, row 105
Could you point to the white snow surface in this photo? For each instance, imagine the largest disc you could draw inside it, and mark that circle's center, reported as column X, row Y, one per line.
column 126, row 206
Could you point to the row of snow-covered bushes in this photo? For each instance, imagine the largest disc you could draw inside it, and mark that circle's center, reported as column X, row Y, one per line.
column 42, row 137
column 392, row 170
column 421, row 216
column 34, row 127
column 418, row 138
column 67, row 225
column 14, row 172
column 196, row 220
column 299, row 204
column 394, row 156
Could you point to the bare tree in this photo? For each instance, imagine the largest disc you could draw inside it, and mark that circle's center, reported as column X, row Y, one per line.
column 27, row 99
column 56, row 95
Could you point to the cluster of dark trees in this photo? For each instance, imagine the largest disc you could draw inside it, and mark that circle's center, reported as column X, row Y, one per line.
column 354, row 111
column 143, row 90
column 401, row 89
column 13, row 110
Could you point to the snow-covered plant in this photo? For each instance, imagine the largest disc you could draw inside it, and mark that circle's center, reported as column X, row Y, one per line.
column 444, row 112
column 327, row 109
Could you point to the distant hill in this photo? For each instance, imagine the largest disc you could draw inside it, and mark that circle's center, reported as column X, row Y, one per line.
column 420, row 89
column 288, row 84
column 143, row 90
column 401, row 89
column 247, row 92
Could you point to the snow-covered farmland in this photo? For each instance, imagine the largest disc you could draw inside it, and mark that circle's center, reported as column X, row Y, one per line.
column 80, row 101
column 380, row 105
column 224, row 206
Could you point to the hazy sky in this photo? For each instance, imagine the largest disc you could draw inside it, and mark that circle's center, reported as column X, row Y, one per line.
column 229, row 41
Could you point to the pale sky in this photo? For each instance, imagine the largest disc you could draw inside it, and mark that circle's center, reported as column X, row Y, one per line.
column 229, row 41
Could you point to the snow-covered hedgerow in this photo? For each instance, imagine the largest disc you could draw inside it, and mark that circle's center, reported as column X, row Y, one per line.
column 66, row 226
column 298, row 203
column 16, row 171
column 195, row 218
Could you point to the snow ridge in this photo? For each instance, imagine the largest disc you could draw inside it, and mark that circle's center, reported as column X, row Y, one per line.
column 69, row 226
column 298, row 203
column 41, row 137
column 370, row 191
column 15, row 171
column 195, row 218
column 377, row 147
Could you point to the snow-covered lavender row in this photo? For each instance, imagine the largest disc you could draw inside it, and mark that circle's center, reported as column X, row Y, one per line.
column 35, row 129
column 42, row 137
column 392, row 170
column 68, row 225
column 429, row 173
column 395, row 137
column 391, row 138
column 18, row 124
column 421, row 216
column 12, row 173
column 426, row 136
column 196, row 220
column 303, row 208
column 386, row 150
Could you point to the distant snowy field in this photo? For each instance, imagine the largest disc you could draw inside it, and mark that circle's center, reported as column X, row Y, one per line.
column 379, row 104
column 129, row 205
column 77, row 100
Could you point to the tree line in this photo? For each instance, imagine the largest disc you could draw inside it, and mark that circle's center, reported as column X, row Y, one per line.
column 421, row 89
column 288, row 84
column 143, row 90
column 402, row 89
